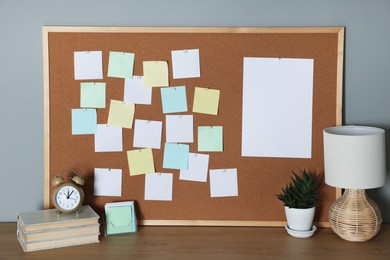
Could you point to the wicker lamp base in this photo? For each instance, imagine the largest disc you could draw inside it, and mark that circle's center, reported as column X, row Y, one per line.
column 354, row 216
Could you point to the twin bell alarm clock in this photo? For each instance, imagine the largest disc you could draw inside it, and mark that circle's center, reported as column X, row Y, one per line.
column 68, row 196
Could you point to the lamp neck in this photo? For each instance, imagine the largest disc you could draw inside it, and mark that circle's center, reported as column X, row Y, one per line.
column 354, row 193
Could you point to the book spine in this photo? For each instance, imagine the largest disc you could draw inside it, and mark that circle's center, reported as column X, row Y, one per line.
column 60, row 233
column 65, row 224
column 49, row 244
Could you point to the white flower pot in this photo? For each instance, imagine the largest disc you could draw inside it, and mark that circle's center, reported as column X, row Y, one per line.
column 300, row 219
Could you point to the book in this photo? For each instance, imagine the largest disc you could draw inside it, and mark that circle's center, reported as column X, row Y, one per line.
column 56, row 243
column 48, row 219
column 58, row 233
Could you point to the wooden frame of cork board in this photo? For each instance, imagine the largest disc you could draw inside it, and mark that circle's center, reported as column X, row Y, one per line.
column 221, row 59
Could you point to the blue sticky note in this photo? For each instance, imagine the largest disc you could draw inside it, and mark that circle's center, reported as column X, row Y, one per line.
column 176, row 156
column 84, row 121
column 174, row 99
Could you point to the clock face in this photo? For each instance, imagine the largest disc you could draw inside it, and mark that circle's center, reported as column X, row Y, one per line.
column 68, row 198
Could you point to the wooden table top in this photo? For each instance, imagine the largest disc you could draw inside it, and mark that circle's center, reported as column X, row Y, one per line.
column 208, row 243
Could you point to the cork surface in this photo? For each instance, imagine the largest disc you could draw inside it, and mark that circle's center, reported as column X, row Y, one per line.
column 221, row 61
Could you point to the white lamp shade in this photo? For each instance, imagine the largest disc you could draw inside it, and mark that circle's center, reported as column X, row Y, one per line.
column 355, row 157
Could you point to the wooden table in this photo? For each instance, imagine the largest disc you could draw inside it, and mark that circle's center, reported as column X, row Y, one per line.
column 208, row 243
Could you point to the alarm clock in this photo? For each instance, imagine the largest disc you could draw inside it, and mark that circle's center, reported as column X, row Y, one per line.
column 68, row 196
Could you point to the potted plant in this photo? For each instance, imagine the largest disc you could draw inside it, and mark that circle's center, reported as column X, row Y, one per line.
column 300, row 198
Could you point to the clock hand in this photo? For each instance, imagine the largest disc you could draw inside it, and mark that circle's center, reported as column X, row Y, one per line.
column 70, row 194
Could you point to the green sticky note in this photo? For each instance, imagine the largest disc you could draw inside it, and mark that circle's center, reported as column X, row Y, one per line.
column 210, row 138
column 120, row 65
column 120, row 219
column 93, row 94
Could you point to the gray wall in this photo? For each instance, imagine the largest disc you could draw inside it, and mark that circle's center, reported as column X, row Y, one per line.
column 366, row 78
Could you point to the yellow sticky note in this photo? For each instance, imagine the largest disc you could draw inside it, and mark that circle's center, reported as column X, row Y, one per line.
column 155, row 74
column 140, row 161
column 206, row 101
column 121, row 114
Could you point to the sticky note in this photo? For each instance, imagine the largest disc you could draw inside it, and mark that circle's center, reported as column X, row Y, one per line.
column 174, row 99
column 88, row 65
column 185, row 64
column 107, row 182
column 84, row 121
column 176, row 156
column 120, row 64
column 93, row 94
column 136, row 92
column 147, row 134
column 223, row 183
column 121, row 114
column 108, row 138
column 158, row 186
column 179, row 128
column 120, row 217
column 206, row 101
column 210, row 138
column 198, row 165
column 140, row 161
column 156, row 74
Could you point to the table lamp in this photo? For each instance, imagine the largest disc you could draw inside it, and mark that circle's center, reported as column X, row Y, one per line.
column 355, row 160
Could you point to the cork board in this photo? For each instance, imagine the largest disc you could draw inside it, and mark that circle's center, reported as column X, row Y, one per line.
column 221, row 59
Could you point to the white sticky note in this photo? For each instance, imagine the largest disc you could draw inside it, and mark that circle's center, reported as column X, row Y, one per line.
column 136, row 92
column 107, row 182
column 223, row 183
column 179, row 129
column 185, row 64
column 88, row 65
column 198, row 165
column 147, row 134
column 158, row 186
column 108, row 138
column 277, row 107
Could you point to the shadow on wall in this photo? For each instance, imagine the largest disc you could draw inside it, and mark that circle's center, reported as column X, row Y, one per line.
column 381, row 196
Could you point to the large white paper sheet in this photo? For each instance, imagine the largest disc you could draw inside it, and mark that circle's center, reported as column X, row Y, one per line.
column 223, row 183
column 277, row 107
column 136, row 92
column 185, row 64
column 158, row 186
column 107, row 182
column 179, row 128
column 88, row 65
column 147, row 134
column 108, row 138
column 198, row 165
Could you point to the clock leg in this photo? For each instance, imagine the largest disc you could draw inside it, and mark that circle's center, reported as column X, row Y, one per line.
column 58, row 212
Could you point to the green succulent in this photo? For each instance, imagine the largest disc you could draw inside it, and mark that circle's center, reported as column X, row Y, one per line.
column 302, row 192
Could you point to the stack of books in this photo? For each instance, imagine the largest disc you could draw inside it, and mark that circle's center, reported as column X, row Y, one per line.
column 45, row 229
